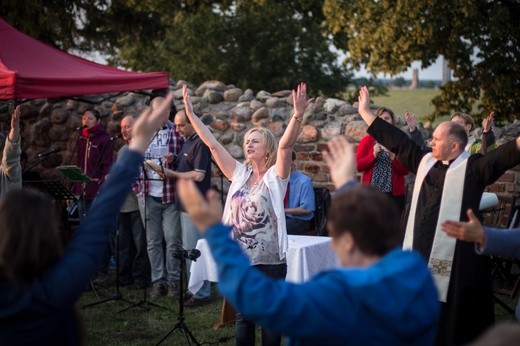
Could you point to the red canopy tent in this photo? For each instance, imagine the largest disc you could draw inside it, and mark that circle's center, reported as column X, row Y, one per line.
column 30, row 69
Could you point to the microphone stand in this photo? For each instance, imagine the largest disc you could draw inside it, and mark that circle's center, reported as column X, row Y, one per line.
column 181, row 321
column 116, row 296
column 40, row 160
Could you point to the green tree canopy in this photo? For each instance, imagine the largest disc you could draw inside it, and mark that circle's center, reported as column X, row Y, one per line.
column 259, row 44
column 479, row 38
column 264, row 44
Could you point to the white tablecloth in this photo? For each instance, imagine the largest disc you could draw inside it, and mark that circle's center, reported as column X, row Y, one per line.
column 306, row 256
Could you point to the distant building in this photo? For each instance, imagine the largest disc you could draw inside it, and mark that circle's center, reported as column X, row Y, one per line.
column 415, row 79
column 446, row 72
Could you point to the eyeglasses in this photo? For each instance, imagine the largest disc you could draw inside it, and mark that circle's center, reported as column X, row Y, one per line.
column 179, row 126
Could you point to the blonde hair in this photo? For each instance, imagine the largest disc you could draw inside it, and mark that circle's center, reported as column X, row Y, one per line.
column 270, row 143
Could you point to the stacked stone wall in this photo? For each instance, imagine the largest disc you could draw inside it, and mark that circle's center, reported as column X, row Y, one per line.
column 228, row 111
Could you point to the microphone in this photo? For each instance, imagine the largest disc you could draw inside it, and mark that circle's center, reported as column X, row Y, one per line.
column 77, row 128
column 48, row 152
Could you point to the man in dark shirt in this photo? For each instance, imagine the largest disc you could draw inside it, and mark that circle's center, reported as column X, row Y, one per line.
column 194, row 162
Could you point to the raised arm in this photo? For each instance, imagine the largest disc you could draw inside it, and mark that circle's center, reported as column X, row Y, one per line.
column 285, row 147
column 488, row 137
column 364, row 106
column 224, row 160
column 14, row 133
column 11, row 167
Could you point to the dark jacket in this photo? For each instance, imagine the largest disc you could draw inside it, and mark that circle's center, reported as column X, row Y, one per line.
column 95, row 156
column 43, row 313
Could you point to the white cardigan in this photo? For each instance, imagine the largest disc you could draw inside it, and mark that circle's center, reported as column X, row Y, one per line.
column 276, row 186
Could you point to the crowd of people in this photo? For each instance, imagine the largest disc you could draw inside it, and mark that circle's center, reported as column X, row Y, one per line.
column 427, row 282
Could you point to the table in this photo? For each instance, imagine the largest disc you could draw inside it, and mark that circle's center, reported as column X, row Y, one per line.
column 306, row 256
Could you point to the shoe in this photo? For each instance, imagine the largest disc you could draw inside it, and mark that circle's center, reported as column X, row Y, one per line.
column 112, row 263
column 158, row 290
column 193, row 302
column 174, row 291
column 101, row 279
column 187, row 295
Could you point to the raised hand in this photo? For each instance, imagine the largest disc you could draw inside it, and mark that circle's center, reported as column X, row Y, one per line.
column 14, row 133
column 188, row 106
column 148, row 122
column 487, row 123
column 410, row 120
column 364, row 99
column 341, row 160
column 364, row 106
column 203, row 212
column 300, row 100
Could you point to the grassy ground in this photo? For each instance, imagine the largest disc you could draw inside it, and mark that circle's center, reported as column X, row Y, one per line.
column 106, row 324
column 417, row 101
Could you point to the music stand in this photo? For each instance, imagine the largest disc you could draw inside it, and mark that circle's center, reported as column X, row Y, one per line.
column 74, row 173
column 58, row 192
column 53, row 187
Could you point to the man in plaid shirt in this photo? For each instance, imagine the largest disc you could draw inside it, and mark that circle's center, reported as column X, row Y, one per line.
column 157, row 204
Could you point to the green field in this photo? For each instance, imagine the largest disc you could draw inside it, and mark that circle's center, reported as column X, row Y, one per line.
column 417, row 101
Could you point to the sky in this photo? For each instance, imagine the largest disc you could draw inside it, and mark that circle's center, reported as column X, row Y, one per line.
column 433, row 72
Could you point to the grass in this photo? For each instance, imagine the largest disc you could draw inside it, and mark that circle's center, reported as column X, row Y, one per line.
column 106, row 324
column 417, row 101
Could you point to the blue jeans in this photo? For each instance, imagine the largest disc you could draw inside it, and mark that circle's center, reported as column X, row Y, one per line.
column 245, row 329
column 162, row 223
column 131, row 253
column 190, row 236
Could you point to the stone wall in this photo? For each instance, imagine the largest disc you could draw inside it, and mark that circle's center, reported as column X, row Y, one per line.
column 228, row 111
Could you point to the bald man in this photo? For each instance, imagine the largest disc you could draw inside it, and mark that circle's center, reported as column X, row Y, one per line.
column 449, row 181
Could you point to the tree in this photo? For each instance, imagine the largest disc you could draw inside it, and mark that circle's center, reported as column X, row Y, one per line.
column 65, row 24
column 263, row 44
column 259, row 44
column 479, row 38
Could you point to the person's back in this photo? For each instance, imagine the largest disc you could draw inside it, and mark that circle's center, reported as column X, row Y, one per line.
column 392, row 302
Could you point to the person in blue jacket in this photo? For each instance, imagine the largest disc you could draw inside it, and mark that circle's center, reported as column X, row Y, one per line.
column 379, row 294
column 39, row 285
column 488, row 241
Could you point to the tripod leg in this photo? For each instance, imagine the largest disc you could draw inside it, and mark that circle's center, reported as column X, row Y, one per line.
column 169, row 333
column 145, row 304
column 181, row 324
column 189, row 334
